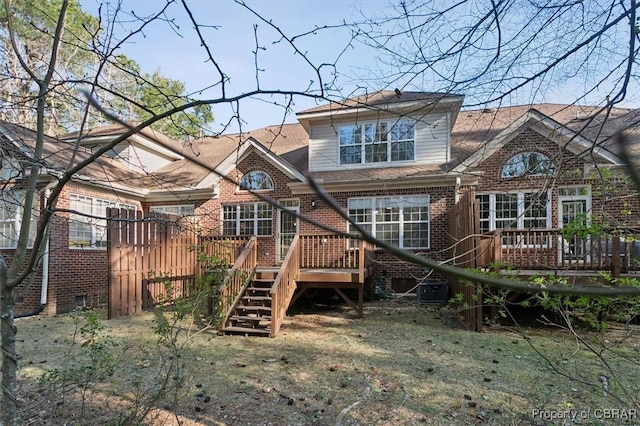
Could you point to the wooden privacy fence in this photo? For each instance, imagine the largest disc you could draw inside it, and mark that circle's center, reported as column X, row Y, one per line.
column 148, row 256
column 467, row 251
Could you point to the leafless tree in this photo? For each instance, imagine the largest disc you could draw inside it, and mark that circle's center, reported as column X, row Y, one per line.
column 513, row 52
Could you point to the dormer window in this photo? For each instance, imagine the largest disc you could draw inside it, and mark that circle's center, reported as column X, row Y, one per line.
column 377, row 142
column 528, row 164
column 256, row 181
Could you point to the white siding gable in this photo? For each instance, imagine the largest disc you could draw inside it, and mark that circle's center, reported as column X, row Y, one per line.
column 137, row 158
column 145, row 160
column 431, row 143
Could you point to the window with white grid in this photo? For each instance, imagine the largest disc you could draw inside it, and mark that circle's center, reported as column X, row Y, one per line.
column 183, row 210
column 377, row 142
column 88, row 222
column 247, row 219
column 401, row 221
column 518, row 210
column 11, row 216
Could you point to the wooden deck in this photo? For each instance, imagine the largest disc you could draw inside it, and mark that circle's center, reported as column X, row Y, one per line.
column 312, row 262
column 616, row 251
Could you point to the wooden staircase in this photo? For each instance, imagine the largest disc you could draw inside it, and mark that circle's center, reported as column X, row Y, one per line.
column 252, row 314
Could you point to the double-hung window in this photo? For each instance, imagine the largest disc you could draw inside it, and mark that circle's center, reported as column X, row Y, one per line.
column 247, row 219
column 401, row 221
column 377, row 142
column 11, row 216
column 521, row 210
column 88, row 222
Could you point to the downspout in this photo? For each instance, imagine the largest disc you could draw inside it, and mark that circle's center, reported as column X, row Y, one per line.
column 45, row 259
column 44, row 289
column 456, row 195
column 45, row 273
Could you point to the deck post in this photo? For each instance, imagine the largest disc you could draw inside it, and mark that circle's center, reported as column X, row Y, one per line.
column 615, row 257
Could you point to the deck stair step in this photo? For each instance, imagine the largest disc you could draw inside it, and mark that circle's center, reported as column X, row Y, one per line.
column 252, row 298
column 250, row 318
column 252, row 315
column 262, row 290
column 247, row 331
column 255, row 309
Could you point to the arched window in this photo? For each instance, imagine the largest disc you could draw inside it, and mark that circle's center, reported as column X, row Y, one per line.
column 528, row 164
column 256, row 181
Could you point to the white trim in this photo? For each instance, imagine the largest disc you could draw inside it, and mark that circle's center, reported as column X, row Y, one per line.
column 406, row 182
column 578, row 197
column 22, row 147
column 227, row 165
column 520, row 217
column 343, row 109
column 390, row 123
column 186, row 194
column 280, row 211
column 546, row 127
column 401, row 222
column 134, row 139
column 163, row 207
column 255, row 219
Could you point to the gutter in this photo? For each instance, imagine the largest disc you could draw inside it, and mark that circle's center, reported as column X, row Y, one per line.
column 408, row 182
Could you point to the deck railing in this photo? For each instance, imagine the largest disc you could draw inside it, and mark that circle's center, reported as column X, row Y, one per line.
column 223, row 248
column 284, row 285
column 237, row 278
column 329, row 251
column 555, row 249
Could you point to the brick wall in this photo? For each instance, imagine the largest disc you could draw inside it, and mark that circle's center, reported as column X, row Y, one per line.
column 614, row 200
column 231, row 194
column 441, row 198
column 77, row 276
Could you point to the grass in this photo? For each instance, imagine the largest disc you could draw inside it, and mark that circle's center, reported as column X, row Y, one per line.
column 402, row 363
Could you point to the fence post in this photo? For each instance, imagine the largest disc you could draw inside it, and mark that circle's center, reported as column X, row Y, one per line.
column 497, row 249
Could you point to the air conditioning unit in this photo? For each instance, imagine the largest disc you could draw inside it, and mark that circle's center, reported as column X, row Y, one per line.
column 433, row 292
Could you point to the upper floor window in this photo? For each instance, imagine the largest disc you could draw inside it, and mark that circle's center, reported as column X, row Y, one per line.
column 256, row 181
column 528, row 164
column 377, row 142
column 88, row 223
column 177, row 210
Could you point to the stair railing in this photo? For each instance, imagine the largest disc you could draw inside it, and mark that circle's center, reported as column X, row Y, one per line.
column 237, row 279
column 284, row 286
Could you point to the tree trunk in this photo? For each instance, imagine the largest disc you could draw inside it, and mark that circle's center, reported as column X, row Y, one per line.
column 9, row 361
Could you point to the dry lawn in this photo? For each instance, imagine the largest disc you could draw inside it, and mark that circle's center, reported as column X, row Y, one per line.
column 402, row 364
